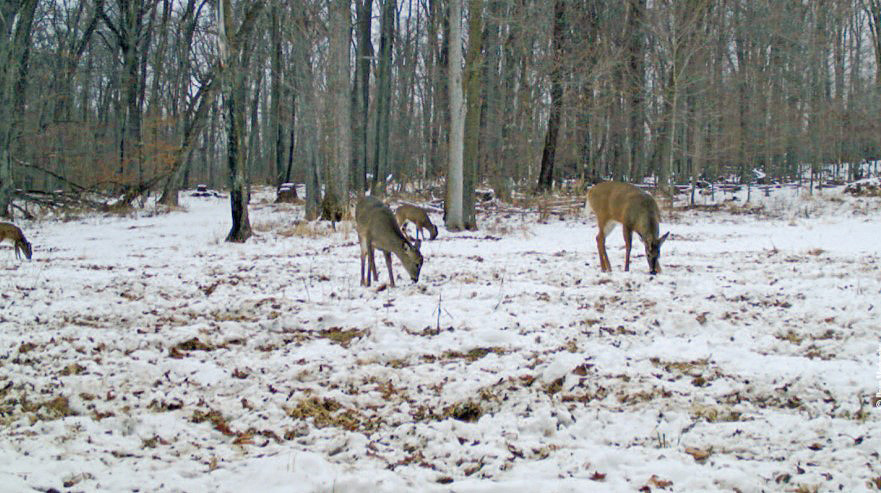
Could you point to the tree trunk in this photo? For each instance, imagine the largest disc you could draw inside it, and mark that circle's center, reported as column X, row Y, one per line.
column 453, row 207
column 473, row 64
column 383, row 98
column 15, row 38
column 873, row 11
column 546, row 174
column 254, row 159
column 361, row 93
column 635, row 87
column 234, row 52
column 193, row 127
column 336, row 199
column 276, row 129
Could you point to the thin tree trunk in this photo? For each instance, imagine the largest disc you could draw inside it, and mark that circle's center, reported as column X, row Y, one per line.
column 254, row 130
column 276, row 130
column 383, row 97
column 194, row 125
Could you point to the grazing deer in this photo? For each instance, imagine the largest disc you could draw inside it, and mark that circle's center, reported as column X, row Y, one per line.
column 9, row 231
column 418, row 217
column 615, row 202
column 377, row 228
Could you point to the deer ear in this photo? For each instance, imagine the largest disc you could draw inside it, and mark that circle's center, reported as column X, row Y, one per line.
column 663, row 238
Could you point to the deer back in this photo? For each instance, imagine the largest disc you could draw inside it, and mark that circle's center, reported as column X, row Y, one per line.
column 626, row 204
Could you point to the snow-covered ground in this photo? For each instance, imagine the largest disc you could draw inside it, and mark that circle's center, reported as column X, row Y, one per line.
column 146, row 354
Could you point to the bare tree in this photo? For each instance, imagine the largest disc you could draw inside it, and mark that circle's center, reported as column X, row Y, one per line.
column 276, row 129
column 873, row 10
column 16, row 22
column 636, row 86
column 383, row 96
column 546, row 174
column 233, row 48
column 192, row 113
column 453, row 208
column 554, row 89
column 471, row 155
column 361, row 92
column 336, row 187
column 132, row 30
column 304, row 82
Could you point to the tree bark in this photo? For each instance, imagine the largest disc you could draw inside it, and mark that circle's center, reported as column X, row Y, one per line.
column 132, row 38
column 873, row 11
column 304, row 103
column 471, row 156
column 234, row 50
column 383, row 98
column 361, row 93
column 636, row 84
column 15, row 37
column 546, row 174
column 276, row 129
column 453, row 207
column 336, row 191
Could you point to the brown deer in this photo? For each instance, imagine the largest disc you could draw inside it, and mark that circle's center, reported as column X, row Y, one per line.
column 9, row 231
column 377, row 228
column 615, row 202
column 418, row 217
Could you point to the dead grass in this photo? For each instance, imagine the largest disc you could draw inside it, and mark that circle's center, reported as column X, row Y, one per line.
column 341, row 336
column 326, row 412
column 314, row 229
column 468, row 411
column 473, row 354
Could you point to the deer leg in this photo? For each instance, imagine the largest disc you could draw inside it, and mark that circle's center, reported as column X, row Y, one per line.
column 605, row 266
column 365, row 255
column 601, row 247
column 628, row 241
column 391, row 275
column 372, row 266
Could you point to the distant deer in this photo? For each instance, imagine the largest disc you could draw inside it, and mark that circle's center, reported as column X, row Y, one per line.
column 418, row 217
column 377, row 228
column 9, row 231
column 614, row 202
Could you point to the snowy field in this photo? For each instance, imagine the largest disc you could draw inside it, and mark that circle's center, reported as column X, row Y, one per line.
column 146, row 354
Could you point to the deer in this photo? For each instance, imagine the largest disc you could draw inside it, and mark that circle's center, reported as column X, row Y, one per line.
column 615, row 202
column 377, row 228
column 418, row 217
column 9, row 231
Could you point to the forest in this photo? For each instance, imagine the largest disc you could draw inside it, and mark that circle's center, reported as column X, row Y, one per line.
column 146, row 345
column 109, row 101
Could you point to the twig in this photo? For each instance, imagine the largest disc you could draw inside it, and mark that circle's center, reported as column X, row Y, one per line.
column 501, row 287
column 439, row 299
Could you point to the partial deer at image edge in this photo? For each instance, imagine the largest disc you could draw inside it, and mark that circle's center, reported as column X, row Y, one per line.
column 9, row 231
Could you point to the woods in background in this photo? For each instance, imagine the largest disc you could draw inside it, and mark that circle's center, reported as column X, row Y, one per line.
column 130, row 96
